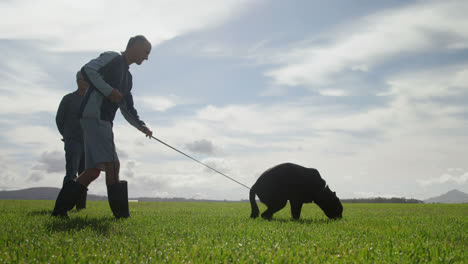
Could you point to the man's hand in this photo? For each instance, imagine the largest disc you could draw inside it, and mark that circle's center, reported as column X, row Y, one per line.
column 115, row 96
column 146, row 131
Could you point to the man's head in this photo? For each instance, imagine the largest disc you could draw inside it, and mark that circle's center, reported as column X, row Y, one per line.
column 138, row 50
column 80, row 81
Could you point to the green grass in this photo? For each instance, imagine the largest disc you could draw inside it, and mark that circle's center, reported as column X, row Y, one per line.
column 223, row 233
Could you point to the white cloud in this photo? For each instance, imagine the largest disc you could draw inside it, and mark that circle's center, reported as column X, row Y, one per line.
column 9, row 170
column 446, row 178
column 26, row 86
column 374, row 195
column 291, row 118
column 22, row 96
column 104, row 25
column 373, row 40
column 218, row 164
column 129, row 167
column 201, row 146
column 17, row 172
column 255, row 119
column 455, row 169
column 158, row 103
column 333, row 92
column 31, row 139
column 25, row 161
column 36, row 177
column 431, row 83
column 50, row 162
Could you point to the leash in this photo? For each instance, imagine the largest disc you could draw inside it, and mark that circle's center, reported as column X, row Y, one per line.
column 186, row 155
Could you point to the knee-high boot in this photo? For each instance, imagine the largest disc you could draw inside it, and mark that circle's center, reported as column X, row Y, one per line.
column 67, row 198
column 117, row 195
column 81, row 204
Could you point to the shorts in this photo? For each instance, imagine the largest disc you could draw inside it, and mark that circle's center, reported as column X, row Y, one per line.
column 99, row 144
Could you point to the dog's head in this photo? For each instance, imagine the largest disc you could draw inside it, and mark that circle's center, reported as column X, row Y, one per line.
column 330, row 204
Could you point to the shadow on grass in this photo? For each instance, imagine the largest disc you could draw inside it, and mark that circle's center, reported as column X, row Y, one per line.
column 309, row 221
column 39, row 212
column 100, row 225
column 47, row 212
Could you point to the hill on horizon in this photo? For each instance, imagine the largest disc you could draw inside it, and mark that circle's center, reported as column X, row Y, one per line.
column 40, row 193
column 453, row 196
column 50, row 193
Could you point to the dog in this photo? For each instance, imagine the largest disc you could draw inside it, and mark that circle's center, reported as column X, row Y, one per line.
column 297, row 184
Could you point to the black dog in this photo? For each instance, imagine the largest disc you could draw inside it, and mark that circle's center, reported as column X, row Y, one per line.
column 298, row 185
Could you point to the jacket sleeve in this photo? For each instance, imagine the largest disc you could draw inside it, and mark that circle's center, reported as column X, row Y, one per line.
column 61, row 113
column 92, row 75
column 129, row 112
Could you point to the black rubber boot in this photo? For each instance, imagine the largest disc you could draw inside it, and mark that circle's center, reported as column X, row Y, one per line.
column 117, row 195
column 81, row 204
column 67, row 198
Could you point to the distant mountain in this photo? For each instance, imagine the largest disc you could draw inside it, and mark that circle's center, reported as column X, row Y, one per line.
column 48, row 193
column 381, row 200
column 40, row 193
column 454, row 196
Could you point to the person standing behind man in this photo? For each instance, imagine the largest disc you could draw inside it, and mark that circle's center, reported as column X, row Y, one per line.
column 110, row 84
column 68, row 124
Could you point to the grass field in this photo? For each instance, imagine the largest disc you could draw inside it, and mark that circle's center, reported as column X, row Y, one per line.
column 222, row 233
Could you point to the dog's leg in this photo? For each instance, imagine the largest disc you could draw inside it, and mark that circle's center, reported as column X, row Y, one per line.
column 296, row 208
column 273, row 207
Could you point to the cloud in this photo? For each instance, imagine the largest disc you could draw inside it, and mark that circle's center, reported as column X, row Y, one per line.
column 374, row 195
column 446, row 178
column 8, row 170
column 154, row 180
column 25, row 82
column 158, row 103
column 31, row 138
column 387, row 35
column 122, row 154
column 36, row 177
column 219, row 164
column 290, row 118
column 109, row 24
column 128, row 170
column 50, row 162
column 448, row 81
column 201, row 146
column 17, row 174
column 254, row 119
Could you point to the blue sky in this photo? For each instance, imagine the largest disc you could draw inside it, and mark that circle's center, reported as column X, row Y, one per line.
column 371, row 93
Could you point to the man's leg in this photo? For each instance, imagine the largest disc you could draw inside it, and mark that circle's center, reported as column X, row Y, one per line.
column 81, row 166
column 117, row 191
column 71, row 190
column 81, row 204
column 112, row 172
column 88, row 176
column 71, row 161
column 68, row 197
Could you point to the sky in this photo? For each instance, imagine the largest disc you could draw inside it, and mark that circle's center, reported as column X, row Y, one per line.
column 373, row 94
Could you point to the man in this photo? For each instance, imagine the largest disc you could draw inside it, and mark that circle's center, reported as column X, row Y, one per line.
column 110, row 85
column 68, row 124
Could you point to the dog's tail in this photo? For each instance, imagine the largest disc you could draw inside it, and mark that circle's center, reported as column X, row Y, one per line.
column 253, row 203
